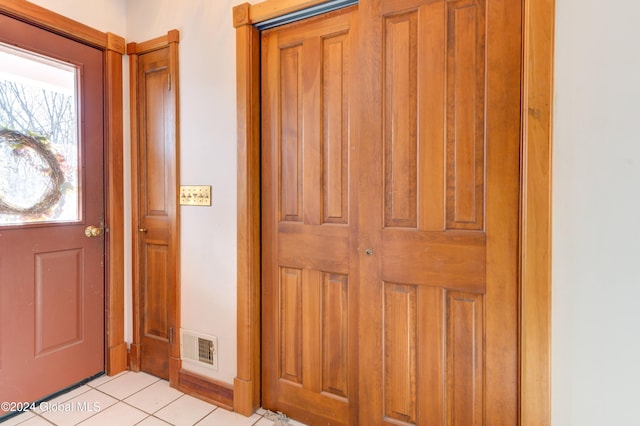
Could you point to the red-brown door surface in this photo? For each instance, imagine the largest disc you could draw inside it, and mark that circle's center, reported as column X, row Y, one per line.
column 51, row 212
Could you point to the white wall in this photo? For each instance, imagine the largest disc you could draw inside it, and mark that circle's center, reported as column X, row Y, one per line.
column 103, row 15
column 208, row 157
column 596, row 237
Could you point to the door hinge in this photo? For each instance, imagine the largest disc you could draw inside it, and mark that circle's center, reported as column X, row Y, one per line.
column 171, row 335
column 169, row 81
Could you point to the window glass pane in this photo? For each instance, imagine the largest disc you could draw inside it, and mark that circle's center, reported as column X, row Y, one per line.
column 39, row 153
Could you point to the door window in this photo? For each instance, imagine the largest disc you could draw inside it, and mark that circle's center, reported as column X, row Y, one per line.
column 39, row 155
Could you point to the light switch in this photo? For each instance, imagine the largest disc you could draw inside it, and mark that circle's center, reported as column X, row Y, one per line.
column 195, row 195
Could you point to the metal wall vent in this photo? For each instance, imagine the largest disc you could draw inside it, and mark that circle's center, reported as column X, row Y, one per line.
column 199, row 349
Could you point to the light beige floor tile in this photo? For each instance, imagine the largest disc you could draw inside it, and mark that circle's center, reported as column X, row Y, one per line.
column 127, row 384
column 119, row 414
column 152, row 421
column 222, row 417
column 64, row 397
column 154, row 397
column 18, row 419
column 77, row 409
column 36, row 421
column 104, row 379
column 264, row 422
column 185, row 411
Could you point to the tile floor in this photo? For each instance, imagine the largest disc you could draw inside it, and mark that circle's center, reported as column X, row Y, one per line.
column 133, row 399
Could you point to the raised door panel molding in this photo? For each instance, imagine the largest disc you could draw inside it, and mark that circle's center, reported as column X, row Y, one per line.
column 401, row 119
column 465, row 114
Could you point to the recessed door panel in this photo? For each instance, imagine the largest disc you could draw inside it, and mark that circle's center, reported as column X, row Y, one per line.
column 465, row 78
column 291, row 325
column 156, row 292
column 335, row 334
column 401, row 120
column 400, row 352
column 464, row 350
column 59, row 308
column 335, row 128
column 155, row 80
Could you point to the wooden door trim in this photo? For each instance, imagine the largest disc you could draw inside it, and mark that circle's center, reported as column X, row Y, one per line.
column 55, row 23
column 266, row 10
column 170, row 40
column 246, row 392
column 535, row 212
column 112, row 46
column 535, row 241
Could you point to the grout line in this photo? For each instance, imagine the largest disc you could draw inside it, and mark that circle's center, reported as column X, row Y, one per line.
column 110, row 407
column 138, row 408
column 202, row 418
column 124, row 373
column 127, row 396
column 146, row 412
column 42, row 418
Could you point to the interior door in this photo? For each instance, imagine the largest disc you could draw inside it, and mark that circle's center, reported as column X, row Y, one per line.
column 51, row 212
column 155, row 201
column 439, row 212
column 310, row 216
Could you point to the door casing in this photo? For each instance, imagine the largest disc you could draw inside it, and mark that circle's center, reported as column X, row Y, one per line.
column 113, row 48
column 535, row 211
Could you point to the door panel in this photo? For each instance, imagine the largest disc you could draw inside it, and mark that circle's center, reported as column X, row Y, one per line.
column 464, row 358
column 156, row 204
column 58, row 304
column 308, row 193
column 465, row 79
column 400, row 337
column 51, row 274
column 440, row 213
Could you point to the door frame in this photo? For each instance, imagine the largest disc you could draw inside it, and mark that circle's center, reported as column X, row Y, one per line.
column 113, row 48
column 535, row 203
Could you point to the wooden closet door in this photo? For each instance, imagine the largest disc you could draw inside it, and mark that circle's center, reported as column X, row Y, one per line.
column 309, row 220
column 439, row 198
column 156, row 214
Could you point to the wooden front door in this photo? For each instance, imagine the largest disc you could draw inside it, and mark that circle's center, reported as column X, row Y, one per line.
column 310, row 216
column 410, row 304
column 155, row 171
column 51, row 193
